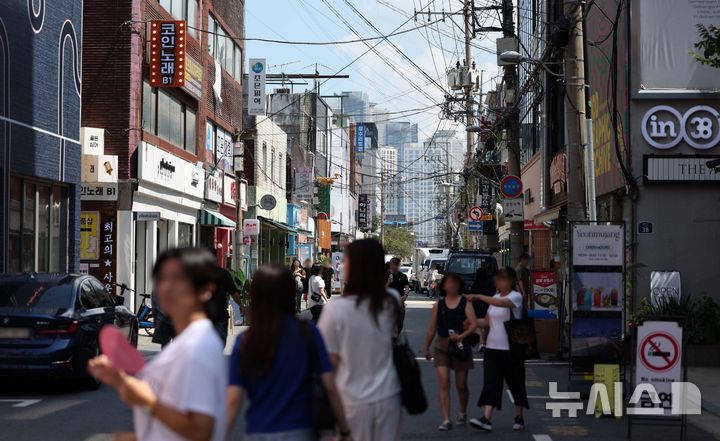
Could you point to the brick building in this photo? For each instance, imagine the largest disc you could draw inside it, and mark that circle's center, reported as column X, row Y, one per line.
column 174, row 145
column 40, row 89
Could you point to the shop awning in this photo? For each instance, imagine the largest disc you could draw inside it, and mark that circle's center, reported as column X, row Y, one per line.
column 279, row 225
column 209, row 217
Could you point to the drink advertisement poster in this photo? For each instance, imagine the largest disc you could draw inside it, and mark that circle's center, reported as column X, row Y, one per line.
column 544, row 289
column 597, row 291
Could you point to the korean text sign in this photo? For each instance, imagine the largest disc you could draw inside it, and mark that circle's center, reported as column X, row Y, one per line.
column 167, row 53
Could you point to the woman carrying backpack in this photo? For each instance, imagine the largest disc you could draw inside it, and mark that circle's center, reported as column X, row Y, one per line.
column 453, row 320
column 272, row 362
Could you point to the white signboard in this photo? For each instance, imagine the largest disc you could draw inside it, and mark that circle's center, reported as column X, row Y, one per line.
column 256, row 90
column 251, row 227
column 337, row 266
column 229, row 191
column 213, row 186
column 659, row 362
column 598, row 245
column 93, row 140
column 98, row 191
column 304, row 184
column 680, row 169
column 513, row 209
column 165, row 169
column 664, row 284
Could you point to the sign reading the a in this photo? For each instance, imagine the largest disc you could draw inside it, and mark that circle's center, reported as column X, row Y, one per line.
column 256, row 94
column 680, row 168
column 167, row 53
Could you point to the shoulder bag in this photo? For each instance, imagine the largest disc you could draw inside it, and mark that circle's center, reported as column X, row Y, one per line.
column 323, row 417
column 412, row 393
column 521, row 337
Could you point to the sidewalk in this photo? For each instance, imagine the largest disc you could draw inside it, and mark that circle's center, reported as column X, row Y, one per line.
column 707, row 380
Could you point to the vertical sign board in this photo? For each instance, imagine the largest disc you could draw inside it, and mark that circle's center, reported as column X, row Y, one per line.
column 596, row 290
column 97, row 246
column 658, row 359
column 304, row 184
column 89, row 244
column 256, row 94
column 363, row 211
column 337, row 259
column 167, row 53
column 360, row 138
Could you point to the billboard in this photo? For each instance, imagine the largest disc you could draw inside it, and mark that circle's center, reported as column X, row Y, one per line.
column 673, row 47
column 608, row 175
column 167, row 53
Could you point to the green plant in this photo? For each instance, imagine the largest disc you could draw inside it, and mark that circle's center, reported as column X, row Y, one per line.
column 701, row 318
column 706, row 322
column 399, row 242
column 709, row 45
column 242, row 285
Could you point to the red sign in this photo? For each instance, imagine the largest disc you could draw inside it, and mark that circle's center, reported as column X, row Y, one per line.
column 659, row 351
column 167, row 53
column 475, row 213
column 530, row 225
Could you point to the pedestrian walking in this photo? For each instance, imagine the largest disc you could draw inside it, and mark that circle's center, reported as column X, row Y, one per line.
column 432, row 278
column 180, row 393
column 299, row 276
column 307, row 266
column 328, row 275
column 365, row 373
column 452, row 322
column 272, row 362
column 523, row 279
column 498, row 362
column 317, row 295
column 401, row 284
column 483, row 284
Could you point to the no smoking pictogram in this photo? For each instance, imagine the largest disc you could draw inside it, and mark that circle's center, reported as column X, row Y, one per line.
column 659, row 352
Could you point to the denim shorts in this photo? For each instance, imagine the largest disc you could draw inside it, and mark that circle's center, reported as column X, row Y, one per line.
column 291, row 435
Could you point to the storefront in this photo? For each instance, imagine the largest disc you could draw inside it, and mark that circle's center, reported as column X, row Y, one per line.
column 216, row 223
column 164, row 212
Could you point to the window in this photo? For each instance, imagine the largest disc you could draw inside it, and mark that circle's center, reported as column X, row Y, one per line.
column 265, row 162
column 224, row 49
column 89, row 299
column 183, row 10
column 37, row 239
column 168, row 118
column 185, row 234
column 272, row 165
column 102, row 295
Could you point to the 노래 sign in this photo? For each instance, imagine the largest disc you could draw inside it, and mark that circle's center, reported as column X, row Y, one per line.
column 167, row 53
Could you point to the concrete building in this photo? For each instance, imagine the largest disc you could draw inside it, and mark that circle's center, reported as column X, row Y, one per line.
column 40, row 94
column 343, row 201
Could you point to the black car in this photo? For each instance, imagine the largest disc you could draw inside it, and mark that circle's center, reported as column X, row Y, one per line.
column 467, row 262
column 49, row 325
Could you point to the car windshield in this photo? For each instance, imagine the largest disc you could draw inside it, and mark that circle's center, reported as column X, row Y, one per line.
column 469, row 264
column 35, row 295
column 404, row 269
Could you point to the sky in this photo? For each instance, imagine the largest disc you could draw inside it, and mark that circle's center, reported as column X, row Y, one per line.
column 432, row 48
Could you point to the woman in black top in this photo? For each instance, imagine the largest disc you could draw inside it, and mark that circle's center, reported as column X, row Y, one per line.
column 450, row 316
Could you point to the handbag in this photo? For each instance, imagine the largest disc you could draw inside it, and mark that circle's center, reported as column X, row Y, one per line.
column 454, row 350
column 521, row 337
column 322, row 415
column 412, row 394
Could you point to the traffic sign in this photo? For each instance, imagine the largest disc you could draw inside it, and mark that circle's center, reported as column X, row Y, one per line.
column 513, row 209
column 659, row 351
column 476, row 226
column 475, row 213
column 511, row 187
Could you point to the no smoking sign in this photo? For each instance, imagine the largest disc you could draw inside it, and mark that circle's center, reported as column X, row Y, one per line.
column 659, row 352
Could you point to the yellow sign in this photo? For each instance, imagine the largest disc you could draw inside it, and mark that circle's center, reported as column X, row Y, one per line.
column 486, row 217
column 608, row 375
column 193, row 77
column 89, row 245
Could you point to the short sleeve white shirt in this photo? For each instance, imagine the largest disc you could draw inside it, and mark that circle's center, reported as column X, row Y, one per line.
column 316, row 283
column 497, row 336
column 190, row 375
column 366, row 372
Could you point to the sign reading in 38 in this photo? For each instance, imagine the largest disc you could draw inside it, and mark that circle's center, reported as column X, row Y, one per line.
column 664, row 127
column 167, row 53
column 511, row 187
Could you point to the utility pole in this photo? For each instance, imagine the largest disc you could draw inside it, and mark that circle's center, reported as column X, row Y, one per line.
column 469, row 31
column 510, row 78
column 382, row 205
column 575, row 123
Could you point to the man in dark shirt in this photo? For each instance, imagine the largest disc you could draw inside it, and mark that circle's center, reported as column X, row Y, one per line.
column 328, row 273
column 401, row 284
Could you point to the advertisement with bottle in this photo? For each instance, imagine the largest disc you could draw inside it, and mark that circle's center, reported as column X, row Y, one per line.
column 597, row 291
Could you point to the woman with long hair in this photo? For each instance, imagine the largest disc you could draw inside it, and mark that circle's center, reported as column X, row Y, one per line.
column 272, row 362
column 452, row 321
column 299, row 275
column 498, row 362
column 179, row 394
column 365, row 373
column 317, row 294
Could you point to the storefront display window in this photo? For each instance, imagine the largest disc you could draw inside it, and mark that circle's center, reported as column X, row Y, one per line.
column 38, row 227
column 185, row 234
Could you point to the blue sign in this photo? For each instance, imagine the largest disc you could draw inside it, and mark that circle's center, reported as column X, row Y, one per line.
column 645, row 227
column 476, row 226
column 511, row 187
column 360, row 138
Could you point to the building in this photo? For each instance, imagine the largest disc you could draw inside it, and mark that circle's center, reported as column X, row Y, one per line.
column 265, row 167
column 355, row 105
column 174, row 145
column 343, row 200
column 40, row 101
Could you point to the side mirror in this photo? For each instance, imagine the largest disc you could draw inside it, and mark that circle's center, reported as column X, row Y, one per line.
column 119, row 300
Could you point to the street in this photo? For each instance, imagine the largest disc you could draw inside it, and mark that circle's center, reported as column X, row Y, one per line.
column 46, row 411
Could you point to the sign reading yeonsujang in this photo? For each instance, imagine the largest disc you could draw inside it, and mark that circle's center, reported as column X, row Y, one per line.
column 167, row 53
column 256, row 93
column 598, row 245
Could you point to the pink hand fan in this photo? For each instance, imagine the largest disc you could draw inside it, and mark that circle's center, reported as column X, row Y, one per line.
column 115, row 346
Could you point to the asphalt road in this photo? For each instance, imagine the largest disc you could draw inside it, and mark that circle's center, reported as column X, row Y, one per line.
column 45, row 411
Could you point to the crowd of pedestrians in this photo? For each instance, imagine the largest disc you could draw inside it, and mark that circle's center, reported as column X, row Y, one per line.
column 301, row 378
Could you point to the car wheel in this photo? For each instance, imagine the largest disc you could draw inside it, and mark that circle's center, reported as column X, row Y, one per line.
column 87, row 381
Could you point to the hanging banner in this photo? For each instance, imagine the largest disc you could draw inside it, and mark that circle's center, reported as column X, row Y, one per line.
column 256, row 92
column 167, row 53
column 324, row 234
column 360, row 138
column 544, row 289
column 363, row 211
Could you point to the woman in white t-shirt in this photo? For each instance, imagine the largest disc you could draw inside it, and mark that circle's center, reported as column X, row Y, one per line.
column 498, row 362
column 180, row 394
column 365, row 373
column 317, row 296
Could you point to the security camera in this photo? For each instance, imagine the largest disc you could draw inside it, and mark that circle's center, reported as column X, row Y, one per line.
column 715, row 163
